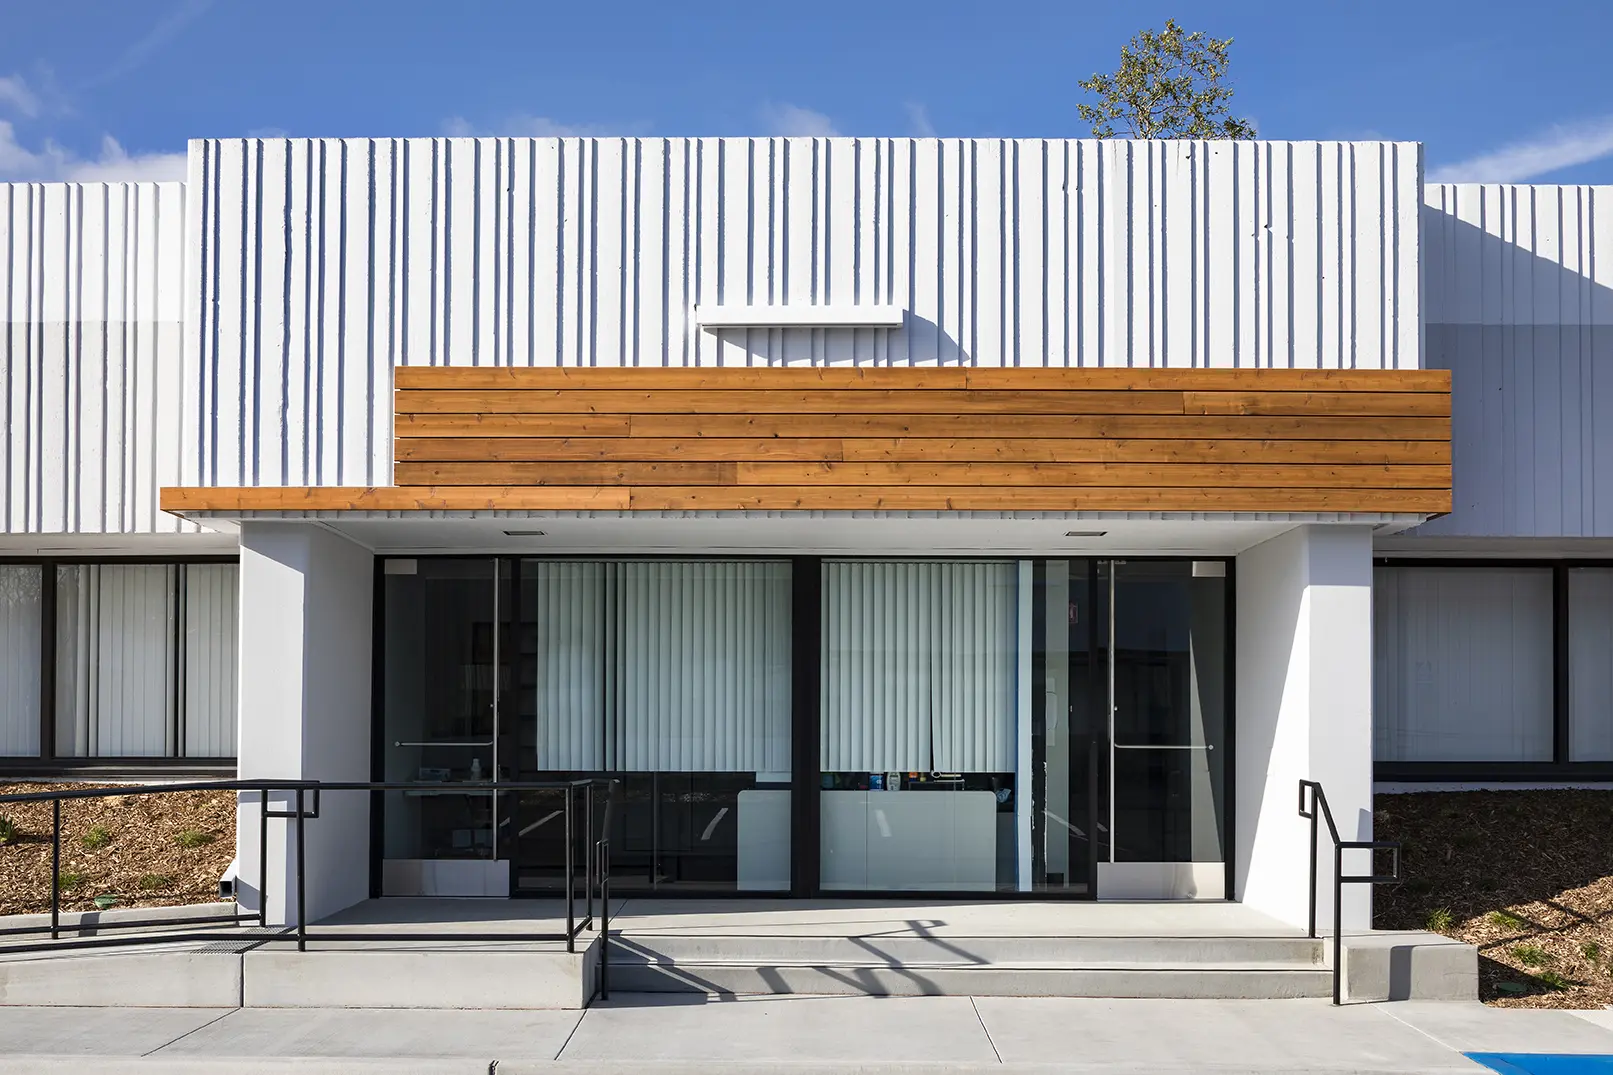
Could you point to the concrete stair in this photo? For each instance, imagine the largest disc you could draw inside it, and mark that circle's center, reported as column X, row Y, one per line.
column 1097, row 966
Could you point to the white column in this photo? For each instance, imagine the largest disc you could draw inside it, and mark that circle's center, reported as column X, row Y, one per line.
column 305, row 636
column 1304, row 710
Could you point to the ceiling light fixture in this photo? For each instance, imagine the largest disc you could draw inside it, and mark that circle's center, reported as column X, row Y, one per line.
column 1086, row 533
column 523, row 533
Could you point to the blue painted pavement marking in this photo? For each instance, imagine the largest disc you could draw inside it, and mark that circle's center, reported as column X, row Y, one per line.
column 1545, row 1063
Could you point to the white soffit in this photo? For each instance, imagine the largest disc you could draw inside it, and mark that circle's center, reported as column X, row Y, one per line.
column 835, row 315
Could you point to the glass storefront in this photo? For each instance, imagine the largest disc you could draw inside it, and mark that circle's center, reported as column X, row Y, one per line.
column 982, row 725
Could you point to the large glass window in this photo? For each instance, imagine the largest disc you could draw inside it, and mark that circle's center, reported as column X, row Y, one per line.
column 1463, row 664
column 145, row 658
column 21, row 598
column 920, row 696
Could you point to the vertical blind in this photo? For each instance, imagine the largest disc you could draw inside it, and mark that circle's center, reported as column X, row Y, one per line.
column 1462, row 664
column 145, row 660
column 1590, row 664
column 919, row 664
column 663, row 666
column 20, row 610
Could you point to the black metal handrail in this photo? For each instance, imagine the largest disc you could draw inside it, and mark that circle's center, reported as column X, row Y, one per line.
column 306, row 802
column 1318, row 799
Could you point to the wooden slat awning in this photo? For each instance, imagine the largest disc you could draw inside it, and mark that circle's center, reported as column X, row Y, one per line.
column 1151, row 440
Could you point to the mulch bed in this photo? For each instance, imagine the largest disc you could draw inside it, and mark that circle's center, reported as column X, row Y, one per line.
column 1526, row 876
column 141, row 850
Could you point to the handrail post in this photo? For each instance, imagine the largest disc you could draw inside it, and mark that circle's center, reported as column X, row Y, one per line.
column 1338, row 921
column 603, row 851
column 55, row 869
column 302, row 879
column 263, row 858
column 588, row 857
column 571, row 878
column 1314, row 835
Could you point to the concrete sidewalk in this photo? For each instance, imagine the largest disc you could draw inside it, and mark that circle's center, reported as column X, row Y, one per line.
column 844, row 1035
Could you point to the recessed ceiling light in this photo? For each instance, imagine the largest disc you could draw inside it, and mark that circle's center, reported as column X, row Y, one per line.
column 523, row 533
column 1086, row 533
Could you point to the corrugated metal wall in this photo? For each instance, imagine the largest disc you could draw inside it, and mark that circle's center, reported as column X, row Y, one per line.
column 319, row 265
column 91, row 297
column 1519, row 306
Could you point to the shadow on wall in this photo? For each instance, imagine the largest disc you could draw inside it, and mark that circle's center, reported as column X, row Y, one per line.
column 919, row 342
column 1532, row 424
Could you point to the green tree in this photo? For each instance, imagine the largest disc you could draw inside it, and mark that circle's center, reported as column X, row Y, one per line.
column 1170, row 84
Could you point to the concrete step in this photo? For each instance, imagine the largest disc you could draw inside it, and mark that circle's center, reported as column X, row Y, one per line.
column 1151, row 980
column 968, row 951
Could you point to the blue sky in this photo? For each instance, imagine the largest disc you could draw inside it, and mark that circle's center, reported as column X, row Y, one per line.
column 111, row 89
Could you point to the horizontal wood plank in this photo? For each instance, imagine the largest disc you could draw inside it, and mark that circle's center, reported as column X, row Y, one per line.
column 1070, row 475
column 682, row 426
column 915, row 449
column 391, row 498
column 924, row 401
column 986, row 498
column 743, row 378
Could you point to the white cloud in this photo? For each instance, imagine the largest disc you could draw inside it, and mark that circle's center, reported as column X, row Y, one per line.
column 787, row 119
column 154, row 39
column 1562, row 146
column 17, row 97
column 53, row 163
column 918, row 120
column 522, row 125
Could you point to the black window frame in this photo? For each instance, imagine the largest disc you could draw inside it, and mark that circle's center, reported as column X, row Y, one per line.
column 48, row 763
column 1560, row 769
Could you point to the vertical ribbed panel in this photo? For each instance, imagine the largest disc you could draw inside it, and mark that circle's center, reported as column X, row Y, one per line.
column 91, row 297
column 704, row 683
column 211, row 616
column 317, row 266
column 1520, row 310
column 20, row 589
column 976, row 660
column 1462, row 664
column 115, row 661
column 569, row 620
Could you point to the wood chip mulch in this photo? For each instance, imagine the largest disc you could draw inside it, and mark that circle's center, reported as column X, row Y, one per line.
column 1526, row 876
column 131, row 848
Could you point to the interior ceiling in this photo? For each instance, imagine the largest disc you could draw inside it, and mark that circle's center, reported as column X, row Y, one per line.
column 754, row 536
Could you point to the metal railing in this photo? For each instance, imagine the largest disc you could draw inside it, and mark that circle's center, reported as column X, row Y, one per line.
column 1318, row 808
column 302, row 800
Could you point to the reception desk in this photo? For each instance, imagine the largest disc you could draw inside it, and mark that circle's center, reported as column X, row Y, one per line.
column 909, row 841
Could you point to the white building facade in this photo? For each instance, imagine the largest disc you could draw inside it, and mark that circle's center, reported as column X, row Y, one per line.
column 885, row 516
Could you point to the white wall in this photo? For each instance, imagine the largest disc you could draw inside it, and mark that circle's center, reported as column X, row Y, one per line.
column 1304, row 710
column 306, row 627
column 1519, row 307
column 91, row 396
column 594, row 251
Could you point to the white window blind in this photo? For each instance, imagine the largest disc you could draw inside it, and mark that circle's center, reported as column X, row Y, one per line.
column 1462, row 664
column 663, row 666
column 919, row 666
column 211, row 615
column 20, row 655
column 115, row 661
column 1590, row 664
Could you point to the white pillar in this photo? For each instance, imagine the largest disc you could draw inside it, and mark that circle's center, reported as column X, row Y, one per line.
column 1304, row 710
column 306, row 601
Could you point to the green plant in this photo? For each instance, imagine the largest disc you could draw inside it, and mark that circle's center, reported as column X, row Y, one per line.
column 1507, row 920
column 153, row 881
column 1170, row 84
column 106, row 900
column 1591, row 951
column 8, row 829
column 1530, row 955
column 1553, row 980
column 68, row 880
column 1439, row 920
column 96, row 838
column 195, row 838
